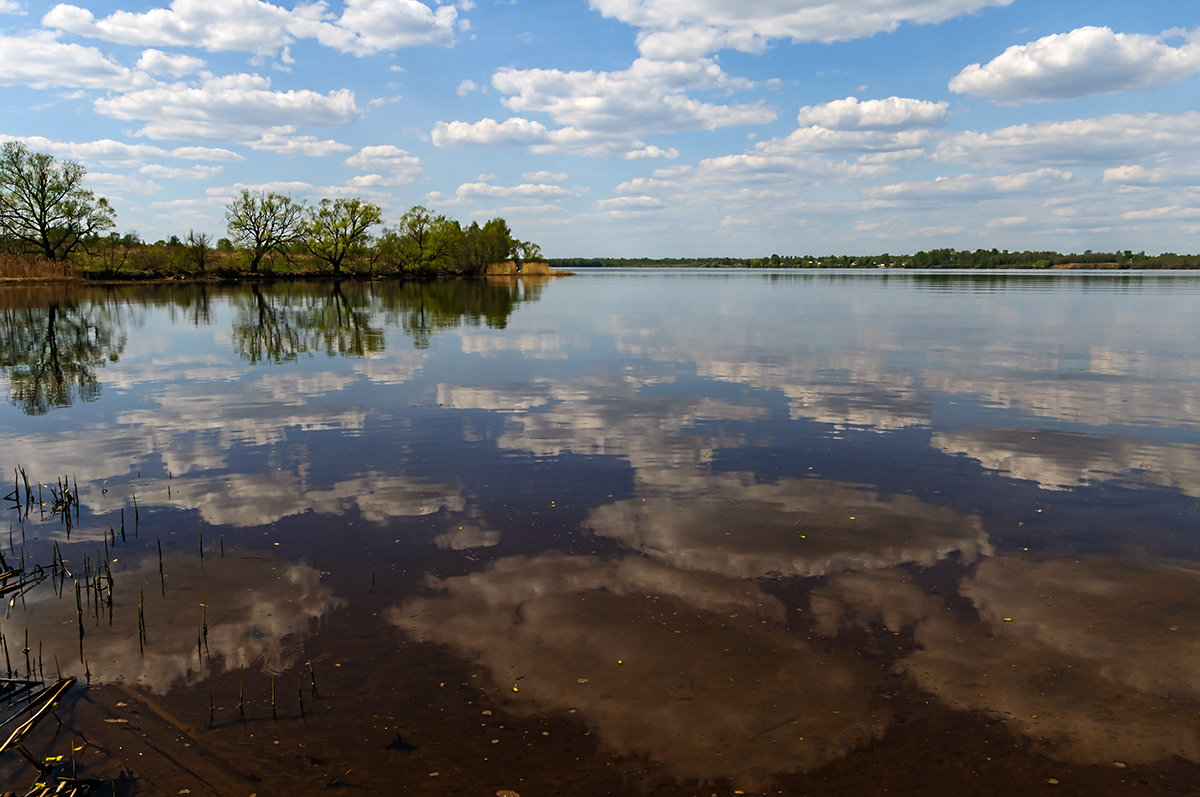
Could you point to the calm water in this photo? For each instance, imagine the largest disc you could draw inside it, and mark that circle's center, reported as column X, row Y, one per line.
column 626, row 532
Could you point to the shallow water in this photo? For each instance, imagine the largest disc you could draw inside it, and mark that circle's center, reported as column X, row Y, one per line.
column 629, row 532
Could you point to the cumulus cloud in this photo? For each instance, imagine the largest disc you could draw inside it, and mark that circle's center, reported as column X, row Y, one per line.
column 1117, row 139
column 974, row 186
column 158, row 62
column 9, row 7
column 649, row 96
column 513, row 130
column 627, row 203
column 522, row 191
column 401, row 167
column 652, row 151
column 1085, row 61
column 240, row 106
column 206, row 154
column 364, row 27
column 104, row 150
column 175, row 173
column 297, row 145
column 544, row 177
column 677, row 29
column 893, row 113
column 41, row 61
column 601, row 114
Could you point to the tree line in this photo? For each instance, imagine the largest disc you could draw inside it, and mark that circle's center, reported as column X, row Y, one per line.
column 934, row 259
column 46, row 211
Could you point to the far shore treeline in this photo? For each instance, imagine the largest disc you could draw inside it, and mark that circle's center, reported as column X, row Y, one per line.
column 52, row 226
column 936, row 258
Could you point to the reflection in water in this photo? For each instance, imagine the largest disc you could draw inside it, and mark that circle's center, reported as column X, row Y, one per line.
column 693, row 670
column 1096, row 656
column 258, row 612
column 733, row 526
column 795, row 527
column 276, row 323
column 50, row 352
column 1059, row 460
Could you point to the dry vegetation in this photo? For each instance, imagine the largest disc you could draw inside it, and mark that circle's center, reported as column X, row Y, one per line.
column 30, row 268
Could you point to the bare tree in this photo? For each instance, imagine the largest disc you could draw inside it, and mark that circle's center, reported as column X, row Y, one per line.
column 198, row 248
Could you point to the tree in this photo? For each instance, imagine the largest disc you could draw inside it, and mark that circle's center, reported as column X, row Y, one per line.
column 491, row 243
column 44, row 205
column 423, row 241
column 264, row 222
column 527, row 251
column 197, row 244
column 337, row 229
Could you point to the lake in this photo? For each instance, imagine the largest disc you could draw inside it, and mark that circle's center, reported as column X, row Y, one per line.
column 628, row 532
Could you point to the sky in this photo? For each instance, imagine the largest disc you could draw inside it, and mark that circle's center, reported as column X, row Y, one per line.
column 635, row 128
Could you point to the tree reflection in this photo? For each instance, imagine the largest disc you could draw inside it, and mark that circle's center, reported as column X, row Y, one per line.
column 50, row 352
column 275, row 323
column 422, row 309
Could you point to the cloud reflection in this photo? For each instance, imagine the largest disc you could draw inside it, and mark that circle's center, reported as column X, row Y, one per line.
column 693, row 670
column 1059, row 460
column 793, row 527
column 1096, row 657
column 258, row 611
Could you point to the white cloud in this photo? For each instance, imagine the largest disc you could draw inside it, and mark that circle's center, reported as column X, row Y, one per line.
column 544, row 177
column 364, row 27
column 158, row 62
column 241, row 106
column 1115, row 139
column 1085, row 61
column 681, row 29
column 1140, row 176
column 893, row 113
column 104, row 150
column 627, row 203
column 601, row 114
column 9, row 7
column 1164, row 213
column 974, row 186
column 466, row 87
column 522, row 191
column 372, row 26
column 206, row 154
column 40, row 61
column 513, row 130
column 402, row 167
column 649, row 96
column 298, row 145
column 248, row 25
column 652, row 151
column 172, row 173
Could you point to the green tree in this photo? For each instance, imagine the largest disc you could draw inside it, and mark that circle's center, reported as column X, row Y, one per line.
column 44, row 205
column 337, row 228
column 423, row 242
column 491, row 243
column 264, row 222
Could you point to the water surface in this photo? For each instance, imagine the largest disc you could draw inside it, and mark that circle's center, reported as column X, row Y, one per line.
column 629, row 532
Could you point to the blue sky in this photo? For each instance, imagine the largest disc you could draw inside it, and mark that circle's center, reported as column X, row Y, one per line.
column 636, row 127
